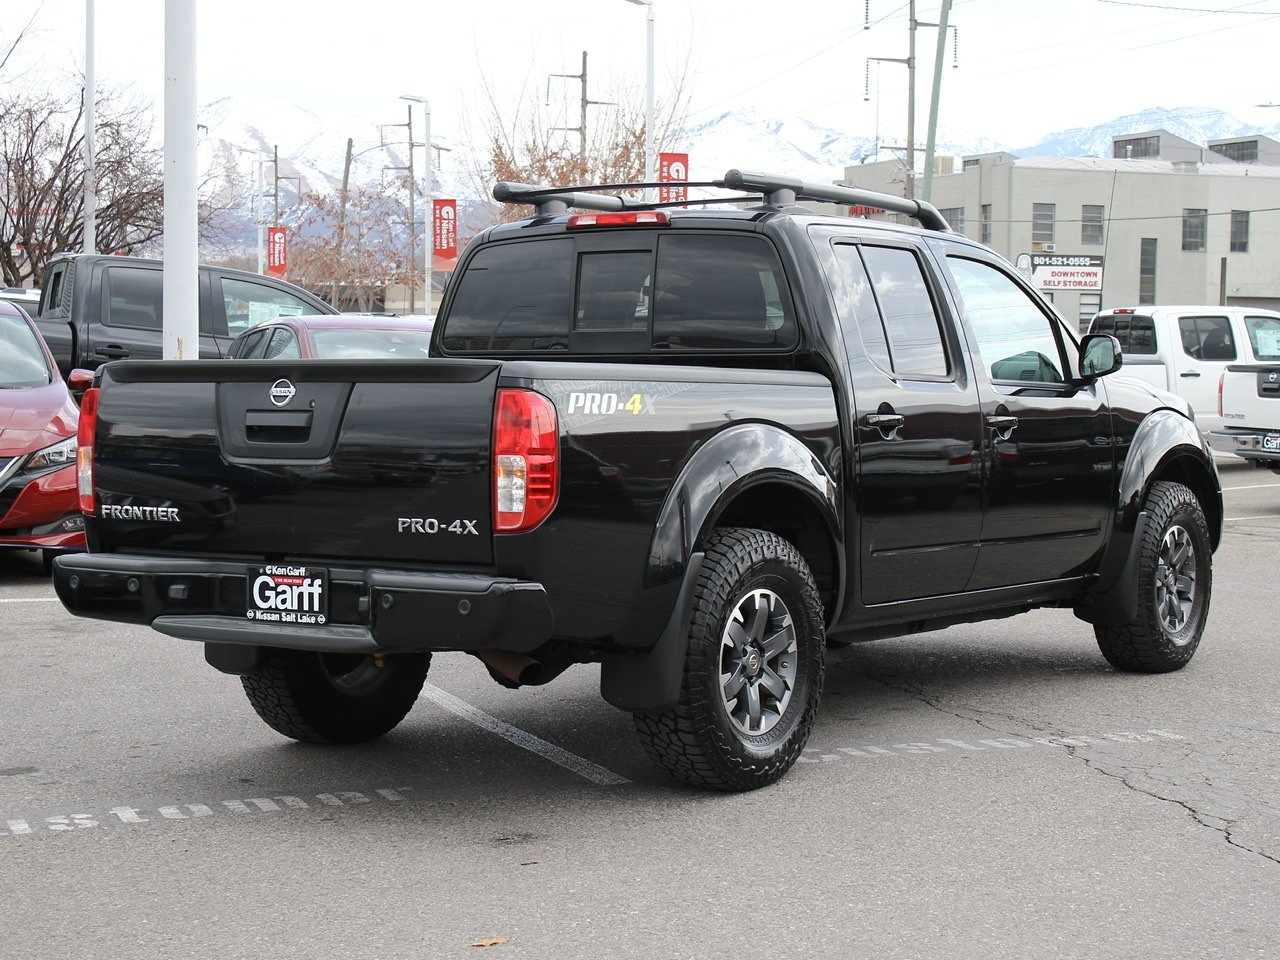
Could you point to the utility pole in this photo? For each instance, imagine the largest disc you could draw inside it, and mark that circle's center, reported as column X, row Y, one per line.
column 90, row 173
column 342, row 219
column 911, row 104
column 413, row 188
column 932, row 136
column 583, row 103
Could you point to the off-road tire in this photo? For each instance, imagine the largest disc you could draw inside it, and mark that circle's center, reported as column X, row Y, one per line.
column 1175, row 580
column 706, row 740
column 334, row 698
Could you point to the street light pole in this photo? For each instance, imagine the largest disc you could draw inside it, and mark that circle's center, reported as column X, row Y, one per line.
column 429, row 216
column 649, row 149
column 90, row 174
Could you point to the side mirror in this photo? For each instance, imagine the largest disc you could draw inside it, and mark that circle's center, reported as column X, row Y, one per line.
column 1099, row 355
column 78, row 381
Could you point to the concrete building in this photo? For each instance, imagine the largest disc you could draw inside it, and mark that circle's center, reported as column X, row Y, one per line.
column 1163, row 220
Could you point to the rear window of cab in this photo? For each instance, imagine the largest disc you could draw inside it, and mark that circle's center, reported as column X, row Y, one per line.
column 662, row 293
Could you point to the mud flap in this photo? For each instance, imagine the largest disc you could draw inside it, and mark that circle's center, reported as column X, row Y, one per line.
column 1118, row 604
column 650, row 682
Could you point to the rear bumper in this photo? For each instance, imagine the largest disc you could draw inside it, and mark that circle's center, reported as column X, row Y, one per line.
column 1246, row 442
column 372, row 610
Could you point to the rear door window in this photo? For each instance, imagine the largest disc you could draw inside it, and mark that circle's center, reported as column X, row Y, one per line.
column 1264, row 337
column 1207, row 338
column 133, row 296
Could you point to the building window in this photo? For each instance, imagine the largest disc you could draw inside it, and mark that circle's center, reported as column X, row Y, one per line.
column 1136, row 148
column 1091, row 223
column 1239, row 231
column 955, row 217
column 1193, row 228
column 1042, row 217
column 1147, row 271
column 1244, row 151
column 986, row 223
column 1090, row 305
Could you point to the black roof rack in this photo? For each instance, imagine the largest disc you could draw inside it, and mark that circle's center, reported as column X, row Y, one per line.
column 772, row 190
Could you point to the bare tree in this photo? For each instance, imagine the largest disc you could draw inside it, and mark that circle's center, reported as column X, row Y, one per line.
column 349, row 254
column 523, row 147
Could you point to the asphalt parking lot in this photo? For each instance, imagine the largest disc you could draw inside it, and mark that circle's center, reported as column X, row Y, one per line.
column 994, row 790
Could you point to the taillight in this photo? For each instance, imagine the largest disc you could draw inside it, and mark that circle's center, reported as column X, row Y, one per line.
column 526, row 460
column 1221, row 377
column 639, row 218
column 84, row 451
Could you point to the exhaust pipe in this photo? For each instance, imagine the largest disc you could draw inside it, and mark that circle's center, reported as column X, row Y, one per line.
column 513, row 669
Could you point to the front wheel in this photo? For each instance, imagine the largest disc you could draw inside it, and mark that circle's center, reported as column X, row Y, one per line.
column 334, row 697
column 1175, row 578
column 753, row 668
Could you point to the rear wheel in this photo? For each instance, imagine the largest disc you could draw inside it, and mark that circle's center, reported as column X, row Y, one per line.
column 753, row 669
column 334, row 697
column 1175, row 578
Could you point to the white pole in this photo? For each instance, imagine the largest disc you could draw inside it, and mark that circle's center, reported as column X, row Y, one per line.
column 430, row 245
column 90, row 174
column 260, row 186
column 181, row 323
column 649, row 132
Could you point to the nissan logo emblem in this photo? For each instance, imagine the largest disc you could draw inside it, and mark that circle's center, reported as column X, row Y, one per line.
column 1271, row 377
column 282, row 391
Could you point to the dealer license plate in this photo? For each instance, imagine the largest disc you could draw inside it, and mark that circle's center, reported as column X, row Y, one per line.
column 286, row 593
column 1271, row 442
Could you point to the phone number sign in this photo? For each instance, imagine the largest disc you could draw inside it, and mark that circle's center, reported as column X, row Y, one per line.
column 1051, row 271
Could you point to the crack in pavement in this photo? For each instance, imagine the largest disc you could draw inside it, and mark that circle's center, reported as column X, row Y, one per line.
column 1201, row 798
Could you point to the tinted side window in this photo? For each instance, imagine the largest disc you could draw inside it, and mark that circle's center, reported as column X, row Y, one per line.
column 513, row 296
column 1015, row 338
column 248, row 303
column 1264, row 335
column 283, row 344
column 1207, row 338
column 910, row 320
column 857, row 306
column 718, row 292
column 250, row 345
column 133, row 297
column 1137, row 335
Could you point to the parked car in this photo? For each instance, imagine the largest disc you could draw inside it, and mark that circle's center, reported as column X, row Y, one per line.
column 1248, row 393
column 39, row 505
column 95, row 308
column 341, row 337
column 25, row 297
column 1182, row 349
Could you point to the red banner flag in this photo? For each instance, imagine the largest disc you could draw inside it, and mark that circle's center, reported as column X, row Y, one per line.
column 673, row 168
column 277, row 251
column 445, row 228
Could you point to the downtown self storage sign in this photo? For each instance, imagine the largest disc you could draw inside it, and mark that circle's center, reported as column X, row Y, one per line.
column 1066, row 272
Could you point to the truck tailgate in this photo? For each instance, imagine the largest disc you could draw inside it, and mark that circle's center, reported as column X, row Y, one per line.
column 378, row 460
column 1246, row 390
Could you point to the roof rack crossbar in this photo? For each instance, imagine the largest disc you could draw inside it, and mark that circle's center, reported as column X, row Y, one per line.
column 775, row 191
column 787, row 190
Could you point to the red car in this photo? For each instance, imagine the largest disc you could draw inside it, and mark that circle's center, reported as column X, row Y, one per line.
column 39, row 507
column 335, row 337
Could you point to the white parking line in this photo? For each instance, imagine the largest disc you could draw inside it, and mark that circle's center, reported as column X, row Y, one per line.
column 1252, row 486
column 558, row 755
column 29, row 600
column 1265, row 516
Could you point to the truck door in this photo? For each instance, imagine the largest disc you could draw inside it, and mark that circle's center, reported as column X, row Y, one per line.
column 1048, row 451
column 915, row 496
column 1208, row 344
column 130, row 319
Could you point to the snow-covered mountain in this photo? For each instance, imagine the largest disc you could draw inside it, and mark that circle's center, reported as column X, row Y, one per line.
column 239, row 135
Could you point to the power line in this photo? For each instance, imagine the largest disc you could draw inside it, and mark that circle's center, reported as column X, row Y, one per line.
column 1160, row 6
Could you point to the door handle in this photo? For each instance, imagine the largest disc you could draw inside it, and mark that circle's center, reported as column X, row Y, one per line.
column 111, row 351
column 1189, row 374
column 1002, row 425
column 886, row 423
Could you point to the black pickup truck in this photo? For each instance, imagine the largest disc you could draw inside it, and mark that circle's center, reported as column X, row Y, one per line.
column 694, row 446
column 96, row 307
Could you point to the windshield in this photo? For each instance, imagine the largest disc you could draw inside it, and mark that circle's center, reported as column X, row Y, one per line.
column 369, row 344
column 22, row 361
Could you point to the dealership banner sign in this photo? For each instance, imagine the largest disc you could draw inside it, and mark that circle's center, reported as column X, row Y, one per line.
column 445, row 228
column 277, row 251
column 673, row 168
column 1051, row 271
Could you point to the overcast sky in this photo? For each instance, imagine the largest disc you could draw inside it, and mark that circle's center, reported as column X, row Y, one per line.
column 1023, row 68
